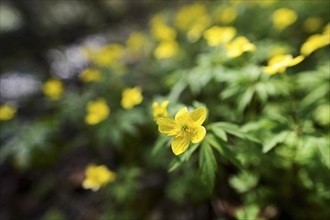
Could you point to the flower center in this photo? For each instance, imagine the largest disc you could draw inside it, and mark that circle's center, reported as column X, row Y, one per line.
column 184, row 127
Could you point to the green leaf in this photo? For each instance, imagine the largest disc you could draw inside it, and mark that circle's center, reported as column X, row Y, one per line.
column 249, row 212
column 220, row 133
column 243, row 182
column 272, row 142
column 245, row 99
column 177, row 162
column 160, row 143
column 207, row 165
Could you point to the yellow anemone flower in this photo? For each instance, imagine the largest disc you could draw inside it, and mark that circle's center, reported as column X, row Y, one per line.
column 7, row 112
column 185, row 127
column 97, row 176
column 160, row 30
column 53, row 88
column 283, row 18
column 228, row 15
column 314, row 42
column 326, row 30
column 90, row 75
column 238, row 46
column 160, row 111
column 217, row 35
column 108, row 55
column 97, row 111
column 131, row 97
column 279, row 63
column 136, row 41
column 166, row 49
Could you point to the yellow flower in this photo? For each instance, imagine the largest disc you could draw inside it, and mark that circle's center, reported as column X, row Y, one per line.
column 7, row 112
column 228, row 15
column 193, row 19
column 53, row 88
column 238, row 46
column 216, row 35
column 279, row 63
column 326, row 30
column 136, row 41
column 108, row 55
column 160, row 30
column 185, row 127
column 188, row 15
column 276, row 50
column 90, row 75
column 314, row 42
column 283, row 18
column 131, row 97
column 97, row 176
column 160, row 111
column 166, row 49
column 312, row 24
column 97, row 111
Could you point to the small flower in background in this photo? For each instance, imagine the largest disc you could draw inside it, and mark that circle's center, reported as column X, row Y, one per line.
column 326, row 30
column 97, row 176
column 7, row 112
column 53, row 88
column 283, row 18
column 185, row 128
column 160, row 111
column 131, row 97
column 108, row 55
column 217, row 35
column 160, row 30
column 279, row 63
column 136, row 41
column 238, row 46
column 276, row 50
column 227, row 15
column 312, row 24
column 314, row 42
column 90, row 75
column 193, row 19
column 97, row 111
column 166, row 49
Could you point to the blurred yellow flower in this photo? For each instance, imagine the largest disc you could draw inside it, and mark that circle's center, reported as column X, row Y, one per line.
column 7, row 112
column 131, row 97
column 97, row 111
column 228, row 15
column 193, row 19
column 53, row 88
column 326, row 30
column 136, row 41
column 160, row 30
column 217, row 35
column 188, row 14
column 283, row 18
column 166, row 49
column 97, row 176
column 90, row 75
column 314, row 42
column 279, row 63
column 185, row 127
column 238, row 46
column 312, row 24
column 160, row 111
column 108, row 55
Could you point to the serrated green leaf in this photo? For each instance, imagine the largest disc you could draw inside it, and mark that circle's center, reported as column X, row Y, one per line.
column 220, row 133
column 245, row 99
column 272, row 142
column 207, row 165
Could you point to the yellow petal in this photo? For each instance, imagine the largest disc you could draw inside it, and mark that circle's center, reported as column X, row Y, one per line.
column 167, row 126
column 180, row 144
column 198, row 116
column 198, row 135
column 296, row 60
column 165, row 103
column 182, row 115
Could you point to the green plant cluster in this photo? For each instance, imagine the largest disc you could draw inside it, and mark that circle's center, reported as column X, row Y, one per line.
column 266, row 150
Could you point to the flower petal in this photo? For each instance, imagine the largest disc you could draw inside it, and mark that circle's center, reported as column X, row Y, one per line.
column 180, row 144
column 296, row 60
column 198, row 116
column 167, row 126
column 182, row 115
column 198, row 134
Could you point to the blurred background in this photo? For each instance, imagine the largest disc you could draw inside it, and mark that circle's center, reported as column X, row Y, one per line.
column 46, row 145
